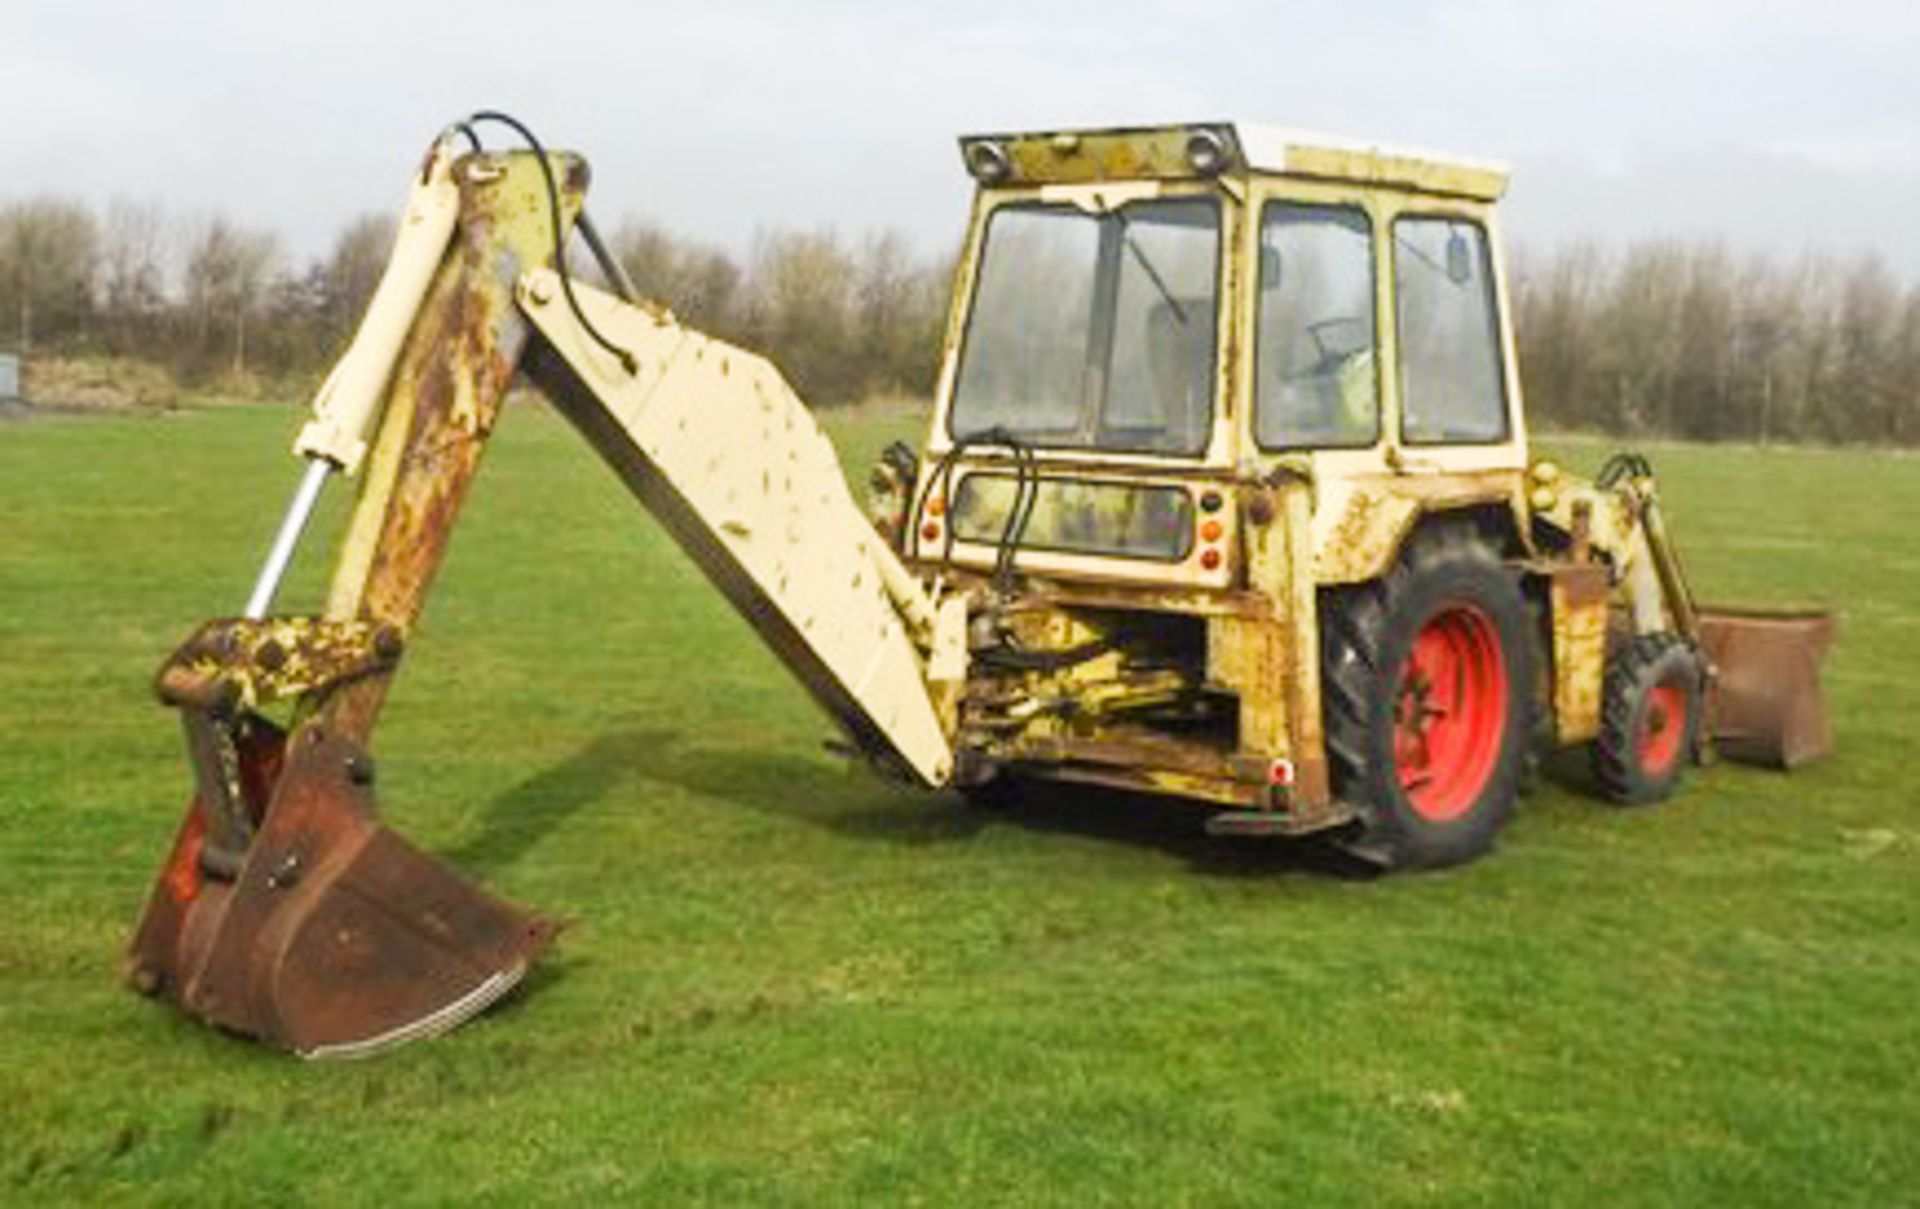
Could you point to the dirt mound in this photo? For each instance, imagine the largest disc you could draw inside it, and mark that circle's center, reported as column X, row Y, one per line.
column 98, row 385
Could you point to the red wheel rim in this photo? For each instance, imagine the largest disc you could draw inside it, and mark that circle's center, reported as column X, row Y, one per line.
column 1450, row 713
column 1663, row 726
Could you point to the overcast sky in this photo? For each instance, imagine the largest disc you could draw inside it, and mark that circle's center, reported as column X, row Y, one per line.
column 1777, row 125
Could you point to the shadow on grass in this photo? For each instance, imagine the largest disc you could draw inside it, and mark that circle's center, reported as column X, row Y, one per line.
column 1166, row 824
column 1570, row 769
column 856, row 804
column 517, row 820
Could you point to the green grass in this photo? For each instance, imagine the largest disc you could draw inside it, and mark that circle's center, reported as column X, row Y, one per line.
column 790, row 983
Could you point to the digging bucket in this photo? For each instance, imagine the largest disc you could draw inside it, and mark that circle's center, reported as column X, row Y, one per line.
column 1765, row 706
column 328, row 934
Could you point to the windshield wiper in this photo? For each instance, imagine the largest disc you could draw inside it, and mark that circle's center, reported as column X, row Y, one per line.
column 1420, row 255
column 1153, row 274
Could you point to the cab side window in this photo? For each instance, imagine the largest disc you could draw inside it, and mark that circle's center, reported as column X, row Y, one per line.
column 1451, row 387
column 1315, row 383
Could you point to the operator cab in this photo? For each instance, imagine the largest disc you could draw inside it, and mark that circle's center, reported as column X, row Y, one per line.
column 1143, row 318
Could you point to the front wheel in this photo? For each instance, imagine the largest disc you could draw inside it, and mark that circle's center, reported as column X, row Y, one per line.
column 1428, row 676
column 1649, row 719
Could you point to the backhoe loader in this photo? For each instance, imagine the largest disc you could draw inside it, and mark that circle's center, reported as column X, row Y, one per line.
column 1226, row 496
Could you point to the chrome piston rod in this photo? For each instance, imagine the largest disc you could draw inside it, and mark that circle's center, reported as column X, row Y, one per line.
column 348, row 402
column 299, row 512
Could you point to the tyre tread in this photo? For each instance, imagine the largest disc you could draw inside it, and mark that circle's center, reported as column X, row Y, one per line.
column 1634, row 671
column 1354, row 634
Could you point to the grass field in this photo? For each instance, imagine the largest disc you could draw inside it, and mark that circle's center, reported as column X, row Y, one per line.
column 790, row 983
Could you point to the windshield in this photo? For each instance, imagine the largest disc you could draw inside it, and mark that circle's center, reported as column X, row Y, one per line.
column 1094, row 331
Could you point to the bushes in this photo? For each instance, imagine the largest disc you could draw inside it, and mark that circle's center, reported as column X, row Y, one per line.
column 222, row 302
column 843, row 322
column 98, row 384
column 1689, row 341
column 1663, row 338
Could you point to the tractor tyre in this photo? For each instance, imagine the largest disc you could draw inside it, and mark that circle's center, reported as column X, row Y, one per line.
column 1428, row 695
column 1650, row 712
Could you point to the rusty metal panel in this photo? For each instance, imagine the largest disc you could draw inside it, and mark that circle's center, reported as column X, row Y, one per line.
column 1360, row 522
column 1363, row 533
column 1579, row 603
column 1280, row 700
column 1139, row 778
column 448, row 386
column 1140, row 761
column 1250, row 658
column 1066, row 156
column 337, row 937
column 249, row 663
column 1765, row 705
column 1165, row 153
column 1312, row 789
column 1255, row 655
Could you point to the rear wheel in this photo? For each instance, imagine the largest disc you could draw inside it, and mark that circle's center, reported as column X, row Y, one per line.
column 1428, row 683
column 1649, row 719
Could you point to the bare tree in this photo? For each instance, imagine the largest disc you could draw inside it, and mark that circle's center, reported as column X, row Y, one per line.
column 1700, row 380
column 1904, row 428
column 1661, row 337
column 352, row 272
column 1555, row 298
column 699, row 283
column 800, row 310
column 898, row 312
column 132, row 285
column 49, row 252
column 1867, row 328
column 228, row 272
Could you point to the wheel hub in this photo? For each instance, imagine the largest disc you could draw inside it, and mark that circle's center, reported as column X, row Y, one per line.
column 1450, row 713
column 1662, row 728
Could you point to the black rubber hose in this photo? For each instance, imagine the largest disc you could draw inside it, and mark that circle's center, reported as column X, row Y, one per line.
column 627, row 360
column 1019, row 514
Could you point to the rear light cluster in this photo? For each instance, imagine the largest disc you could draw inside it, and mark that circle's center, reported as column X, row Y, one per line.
column 1211, row 530
column 930, row 531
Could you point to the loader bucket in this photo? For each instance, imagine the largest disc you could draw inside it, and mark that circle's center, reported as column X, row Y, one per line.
column 1765, row 706
column 334, row 937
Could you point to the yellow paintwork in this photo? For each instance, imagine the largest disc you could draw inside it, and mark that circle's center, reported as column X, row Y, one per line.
column 1409, row 171
column 350, row 398
column 511, row 192
column 714, row 440
column 279, row 658
column 1072, row 157
column 892, row 640
column 1580, row 604
column 1324, row 517
column 1161, row 153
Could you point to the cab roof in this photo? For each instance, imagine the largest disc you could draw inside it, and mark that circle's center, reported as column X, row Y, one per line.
column 1203, row 149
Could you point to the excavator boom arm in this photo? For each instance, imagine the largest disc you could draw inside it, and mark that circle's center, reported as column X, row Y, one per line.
column 286, row 911
column 718, row 447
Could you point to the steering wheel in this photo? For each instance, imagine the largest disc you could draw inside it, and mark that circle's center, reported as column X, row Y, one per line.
column 1328, row 355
